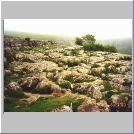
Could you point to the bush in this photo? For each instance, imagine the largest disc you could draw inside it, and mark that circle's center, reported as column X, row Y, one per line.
column 88, row 42
column 44, row 90
column 66, row 85
column 106, row 69
column 89, row 38
column 88, row 46
column 27, row 39
column 18, row 93
column 107, row 86
column 98, row 47
column 76, row 104
column 95, row 65
column 75, row 52
column 79, row 41
column 108, row 95
column 73, row 62
column 109, row 48
column 47, row 88
column 70, row 78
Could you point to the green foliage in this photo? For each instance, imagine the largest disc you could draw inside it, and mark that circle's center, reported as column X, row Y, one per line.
column 12, row 104
column 89, row 38
column 108, row 95
column 27, row 59
column 107, row 86
column 66, row 85
column 70, row 78
column 44, row 90
column 47, row 104
column 77, row 80
column 95, row 65
column 75, row 52
column 18, row 93
column 72, row 62
column 88, row 42
column 95, row 73
column 106, row 69
column 79, row 41
column 27, row 39
column 12, row 78
column 109, row 48
column 98, row 47
column 110, row 70
column 88, row 46
column 76, row 104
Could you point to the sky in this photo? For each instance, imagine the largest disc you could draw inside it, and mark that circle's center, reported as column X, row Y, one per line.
column 100, row 28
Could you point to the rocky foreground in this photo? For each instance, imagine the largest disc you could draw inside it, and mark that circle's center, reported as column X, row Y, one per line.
column 67, row 79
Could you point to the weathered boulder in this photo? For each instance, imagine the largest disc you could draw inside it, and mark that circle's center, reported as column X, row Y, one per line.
column 103, row 106
column 118, row 103
column 97, row 93
column 88, row 106
column 63, row 109
column 14, row 90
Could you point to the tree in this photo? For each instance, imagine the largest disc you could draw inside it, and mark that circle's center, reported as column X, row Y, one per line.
column 88, row 42
column 79, row 41
column 89, row 38
column 88, row 46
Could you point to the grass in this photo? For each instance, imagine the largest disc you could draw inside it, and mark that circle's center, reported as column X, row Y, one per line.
column 48, row 104
column 12, row 104
column 107, row 86
column 44, row 104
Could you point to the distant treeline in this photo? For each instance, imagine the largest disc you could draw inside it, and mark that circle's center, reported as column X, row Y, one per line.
column 122, row 45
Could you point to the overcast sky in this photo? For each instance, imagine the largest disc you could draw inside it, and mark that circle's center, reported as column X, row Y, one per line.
column 101, row 28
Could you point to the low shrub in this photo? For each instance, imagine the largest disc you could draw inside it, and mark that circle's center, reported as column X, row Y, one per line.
column 79, row 41
column 76, row 104
column 75, row 52
column 66, row 85
column 95, row 65
column 107, row 86
column 108, row 95
column 18, row 93
column 98, row 47
column 73, row 62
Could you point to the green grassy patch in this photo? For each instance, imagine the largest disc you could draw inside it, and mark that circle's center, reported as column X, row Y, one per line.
column 12, row 104
column 48, row 104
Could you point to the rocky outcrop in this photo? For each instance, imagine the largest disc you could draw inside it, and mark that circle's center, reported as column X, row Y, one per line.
column 50, row 70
